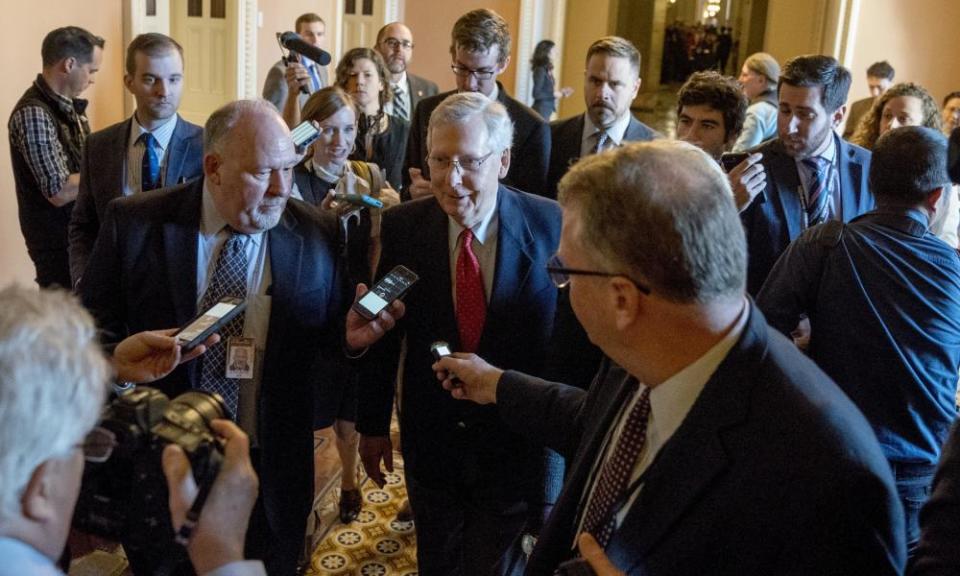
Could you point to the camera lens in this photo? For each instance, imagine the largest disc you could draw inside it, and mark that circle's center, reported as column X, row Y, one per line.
column 195, row 410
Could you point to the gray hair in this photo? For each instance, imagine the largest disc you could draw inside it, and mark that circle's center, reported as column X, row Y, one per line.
column 462, row 107
column 222, row 122
column 661, row 212
column 53, row 379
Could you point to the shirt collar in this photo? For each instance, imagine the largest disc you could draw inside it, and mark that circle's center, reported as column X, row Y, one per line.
column 68, row 106
column 827, row 149
column 162, row 133
column 401, row 85
column 671, row 401
column 481, row 231
column 615, row 132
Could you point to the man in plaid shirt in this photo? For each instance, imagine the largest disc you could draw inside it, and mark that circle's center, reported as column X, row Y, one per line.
column 47, row 130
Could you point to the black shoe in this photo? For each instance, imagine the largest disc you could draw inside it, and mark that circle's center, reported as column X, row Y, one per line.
column 350, row 504
column 405, row 513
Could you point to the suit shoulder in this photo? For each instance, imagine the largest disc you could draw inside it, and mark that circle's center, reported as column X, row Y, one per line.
column 158, row 202
column 427, row 105
column 541, row 211
column 520, row 113
column 190, row 130
column 854, row 151
column 108, row 133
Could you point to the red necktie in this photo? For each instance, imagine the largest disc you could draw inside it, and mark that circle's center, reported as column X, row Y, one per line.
column 471, row 302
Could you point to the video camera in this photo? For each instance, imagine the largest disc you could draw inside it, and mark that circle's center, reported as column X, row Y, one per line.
column 125, row 498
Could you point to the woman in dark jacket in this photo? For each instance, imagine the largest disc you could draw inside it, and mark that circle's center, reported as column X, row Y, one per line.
column 545, row 95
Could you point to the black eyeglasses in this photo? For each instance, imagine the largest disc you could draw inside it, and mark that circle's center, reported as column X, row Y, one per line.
column 393, row 44
column 560, row 274
column 463, row 72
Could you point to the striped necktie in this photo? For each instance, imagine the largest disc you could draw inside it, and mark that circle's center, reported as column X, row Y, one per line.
column 818, row 194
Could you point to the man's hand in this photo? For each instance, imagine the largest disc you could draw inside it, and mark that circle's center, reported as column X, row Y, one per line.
column 419, row 186
column 593, row 554
column 747, row 179
column 469, row 377
column 218, row 537
column 373, row 449
column 362, row 333
column 148, row 356
column 389, row 196
column 296, row 76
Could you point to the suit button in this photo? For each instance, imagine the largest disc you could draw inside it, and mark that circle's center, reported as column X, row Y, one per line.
column 461, row 424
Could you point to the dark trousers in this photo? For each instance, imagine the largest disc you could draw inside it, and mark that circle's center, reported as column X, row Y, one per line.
column 458, row 535
column 914, row 484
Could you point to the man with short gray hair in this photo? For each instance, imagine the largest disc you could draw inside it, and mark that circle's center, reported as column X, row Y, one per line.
column 707, row 444
column 480, row 248
column 164, row 256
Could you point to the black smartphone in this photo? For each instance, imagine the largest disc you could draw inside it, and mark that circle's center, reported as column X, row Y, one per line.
column 730, row 160
column 392, row 286
column 304, row 135
column 209, row 321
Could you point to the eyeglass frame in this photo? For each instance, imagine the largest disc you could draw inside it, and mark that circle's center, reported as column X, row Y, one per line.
column 464, row 72
column 394, row 43
column 555, row 268
column 432, row 160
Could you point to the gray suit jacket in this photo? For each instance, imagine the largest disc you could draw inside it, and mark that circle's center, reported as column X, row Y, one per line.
column 102, row 173
column 420, row 88
column 275, row 86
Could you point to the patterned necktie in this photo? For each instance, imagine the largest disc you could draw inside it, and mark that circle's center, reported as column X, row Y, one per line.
column 399, row 105
column 229, row 279
column 602, row 140
column 609, row 488
column 471, row 302
column 821, row 173
column 150, row 164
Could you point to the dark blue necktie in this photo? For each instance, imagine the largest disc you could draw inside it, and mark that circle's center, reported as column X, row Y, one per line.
column 821, row 174
column 150, row 165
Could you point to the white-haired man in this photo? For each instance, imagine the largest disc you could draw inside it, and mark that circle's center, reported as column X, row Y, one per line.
column 480, row 249
column 53, row 379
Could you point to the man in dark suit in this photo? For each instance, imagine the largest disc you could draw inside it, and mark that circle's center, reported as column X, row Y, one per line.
column 879, row 78
column 395, row 44
column 480, row 48
column 153, row 148
column 708, row 444
column 163, row 255
column 807, row 175
column 610, row 83
column 480, row 248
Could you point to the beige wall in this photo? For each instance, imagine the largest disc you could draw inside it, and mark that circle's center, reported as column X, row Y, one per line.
column 25, row 24
column 431, row 22
column 279, row 16
column 923, row 53
column 587, row 20
column 793, row 28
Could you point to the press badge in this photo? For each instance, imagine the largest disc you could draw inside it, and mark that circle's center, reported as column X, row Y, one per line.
column 240, row 358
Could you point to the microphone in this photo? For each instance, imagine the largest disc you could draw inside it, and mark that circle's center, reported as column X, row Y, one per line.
column 294, row 43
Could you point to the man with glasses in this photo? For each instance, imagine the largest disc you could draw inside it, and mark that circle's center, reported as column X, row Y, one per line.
column 395, row 44
column 480, row 49
column 52, row 391
column 708, row 444
column 480, row 249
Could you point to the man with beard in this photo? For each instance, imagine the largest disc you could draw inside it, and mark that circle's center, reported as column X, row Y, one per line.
column 153, row 148
column 164, row 256
column 395, row 44
column 610, row 83
column 812, row 175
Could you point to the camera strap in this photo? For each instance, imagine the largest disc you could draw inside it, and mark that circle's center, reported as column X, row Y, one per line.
column 193, row 515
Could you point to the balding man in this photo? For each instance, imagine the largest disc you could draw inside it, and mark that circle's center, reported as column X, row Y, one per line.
column 708, row 444
column 164, row 256
column 395, row 44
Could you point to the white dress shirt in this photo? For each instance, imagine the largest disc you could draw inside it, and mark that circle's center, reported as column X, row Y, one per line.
column 256, row 321
column 136, row 150
column 484, row 248
column 670, row 402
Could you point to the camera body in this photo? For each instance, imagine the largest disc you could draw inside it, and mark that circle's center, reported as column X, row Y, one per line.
column 125, row 498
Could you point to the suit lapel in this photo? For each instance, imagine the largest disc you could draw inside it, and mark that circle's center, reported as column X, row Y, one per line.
column 180, row 251
column 690, row 461
column 433, row 266
column 851, row 173
column 115, row 150
column 513, row 259
column 286, row 255
column 786, row 189
column 177, row 154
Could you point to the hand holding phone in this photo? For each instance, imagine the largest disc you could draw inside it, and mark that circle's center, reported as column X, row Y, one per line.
column 391, row 287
